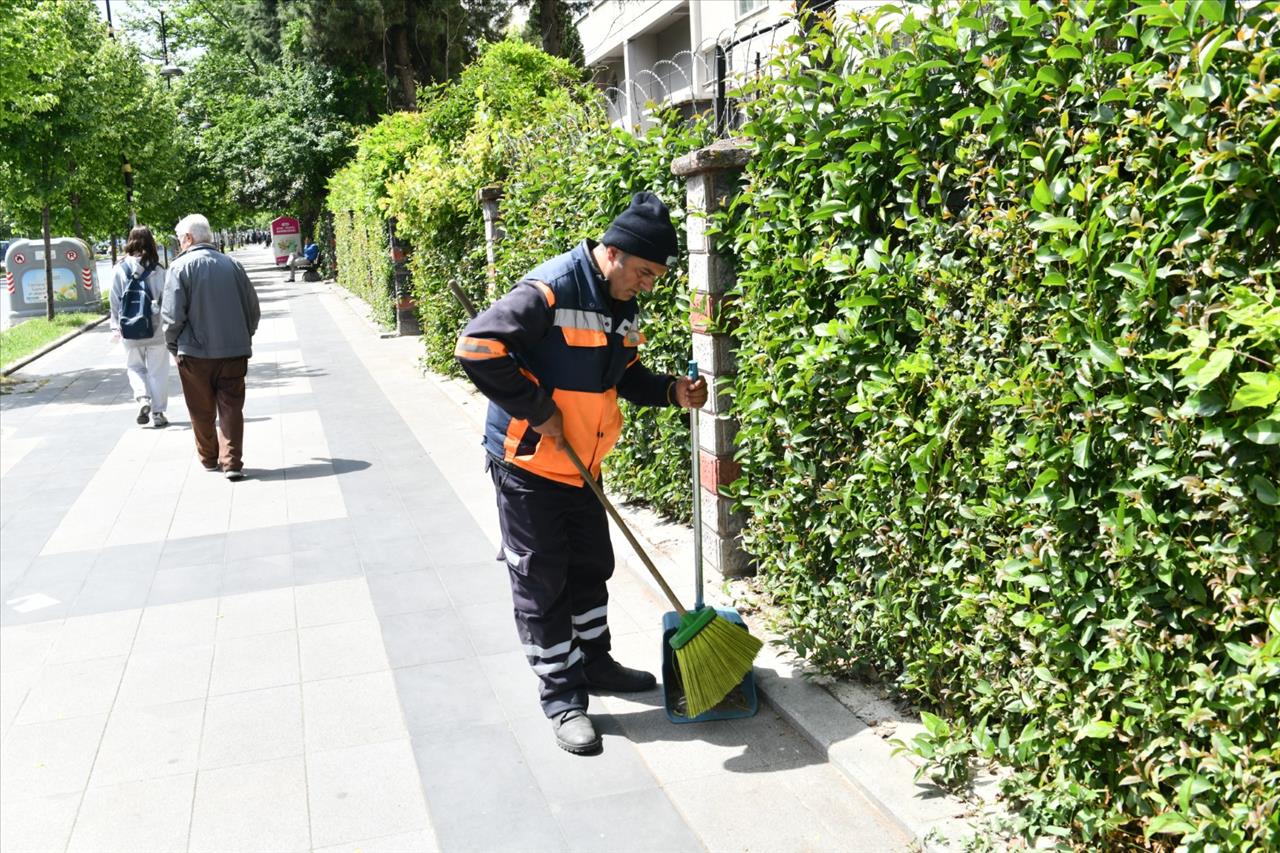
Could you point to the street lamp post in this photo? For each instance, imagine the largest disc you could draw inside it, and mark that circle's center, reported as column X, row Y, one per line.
column 167, row 71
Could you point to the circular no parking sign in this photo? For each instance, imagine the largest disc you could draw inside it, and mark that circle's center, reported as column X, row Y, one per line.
column 72, row 254
column 19, row 258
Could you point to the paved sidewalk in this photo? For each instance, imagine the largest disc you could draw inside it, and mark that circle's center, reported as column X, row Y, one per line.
column 322, row 657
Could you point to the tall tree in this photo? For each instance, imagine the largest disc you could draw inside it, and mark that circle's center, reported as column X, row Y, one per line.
column 551, row 25
column 79, row 104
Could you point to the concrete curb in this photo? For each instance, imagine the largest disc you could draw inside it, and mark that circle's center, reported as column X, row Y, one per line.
column 860, row 751
column 50, row 347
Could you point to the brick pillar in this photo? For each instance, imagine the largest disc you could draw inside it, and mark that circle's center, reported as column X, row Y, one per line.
column 490, row 199
column 712, row 177
column 406, row 305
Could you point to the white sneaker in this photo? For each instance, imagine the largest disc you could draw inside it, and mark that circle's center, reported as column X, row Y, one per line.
column 159, row 421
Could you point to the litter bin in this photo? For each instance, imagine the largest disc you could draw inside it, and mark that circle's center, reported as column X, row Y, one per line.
column 75, row 279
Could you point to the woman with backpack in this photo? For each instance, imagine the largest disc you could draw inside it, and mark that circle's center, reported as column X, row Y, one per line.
column 137, row 291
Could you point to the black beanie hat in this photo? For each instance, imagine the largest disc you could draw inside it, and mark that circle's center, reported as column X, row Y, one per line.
column 644, row 230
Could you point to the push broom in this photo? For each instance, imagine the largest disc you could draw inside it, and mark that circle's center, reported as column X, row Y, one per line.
column 713, row 655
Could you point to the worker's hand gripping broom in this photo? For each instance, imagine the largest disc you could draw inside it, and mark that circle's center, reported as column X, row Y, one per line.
column 713, row 656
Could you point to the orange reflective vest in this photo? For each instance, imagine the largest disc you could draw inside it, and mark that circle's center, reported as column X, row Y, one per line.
column 558, row 341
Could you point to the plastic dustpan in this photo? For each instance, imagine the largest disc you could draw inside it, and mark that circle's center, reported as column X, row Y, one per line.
column 740, row 701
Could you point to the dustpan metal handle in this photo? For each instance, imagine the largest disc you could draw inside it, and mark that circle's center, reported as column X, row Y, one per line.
column 695, row 434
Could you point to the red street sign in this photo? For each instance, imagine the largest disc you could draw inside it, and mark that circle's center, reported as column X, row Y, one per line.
column 19, row 258
column 71, row 254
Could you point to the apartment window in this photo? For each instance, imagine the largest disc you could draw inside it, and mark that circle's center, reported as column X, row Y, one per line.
column 746, row 7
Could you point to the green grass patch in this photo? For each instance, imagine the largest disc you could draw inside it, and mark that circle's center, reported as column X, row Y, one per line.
column 29, row 335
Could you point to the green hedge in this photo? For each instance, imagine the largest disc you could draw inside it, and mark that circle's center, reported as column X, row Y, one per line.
column 357, row 203
column 364, row 262
column 469, row 124
column 1008, row 334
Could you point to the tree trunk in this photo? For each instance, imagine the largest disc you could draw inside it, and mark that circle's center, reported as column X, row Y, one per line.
column 549, row 18
column 404, row 68
column 48, row 263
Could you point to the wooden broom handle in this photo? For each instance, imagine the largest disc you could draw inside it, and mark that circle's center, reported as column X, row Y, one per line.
column 617, row 519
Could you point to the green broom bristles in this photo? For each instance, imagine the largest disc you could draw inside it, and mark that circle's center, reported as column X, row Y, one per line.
column 714, row 661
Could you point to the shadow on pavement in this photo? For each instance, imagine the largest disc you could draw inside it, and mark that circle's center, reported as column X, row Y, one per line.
column 757, row 756
column 320, row 468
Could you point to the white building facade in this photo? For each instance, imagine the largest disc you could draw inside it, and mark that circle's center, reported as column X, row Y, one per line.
column 664, row 51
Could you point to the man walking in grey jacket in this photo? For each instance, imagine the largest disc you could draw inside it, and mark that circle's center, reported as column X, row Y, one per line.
column 210, row 315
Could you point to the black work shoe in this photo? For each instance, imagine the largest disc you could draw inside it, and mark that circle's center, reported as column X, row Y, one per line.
column 144, row 414
column 574, row 732
column 612, row 677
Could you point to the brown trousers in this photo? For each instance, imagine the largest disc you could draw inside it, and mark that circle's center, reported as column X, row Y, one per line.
column 215, row 387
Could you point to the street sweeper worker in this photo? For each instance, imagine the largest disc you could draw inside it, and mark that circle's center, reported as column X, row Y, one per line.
column 553, row 355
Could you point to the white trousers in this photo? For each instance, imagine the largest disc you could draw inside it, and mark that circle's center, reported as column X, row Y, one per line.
column 149, row 375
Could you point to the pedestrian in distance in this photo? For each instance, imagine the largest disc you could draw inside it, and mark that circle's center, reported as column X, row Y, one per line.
column 137, row 290
column 306, row 260
column 553, row 355
column 211, row 314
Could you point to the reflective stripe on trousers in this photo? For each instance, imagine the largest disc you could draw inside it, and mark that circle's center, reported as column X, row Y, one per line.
column 555, row 542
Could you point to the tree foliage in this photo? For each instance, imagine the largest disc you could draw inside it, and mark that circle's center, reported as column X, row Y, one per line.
column 85, row 101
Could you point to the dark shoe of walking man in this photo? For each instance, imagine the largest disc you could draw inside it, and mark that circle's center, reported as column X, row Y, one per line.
column 553, row 355
column 210, row 315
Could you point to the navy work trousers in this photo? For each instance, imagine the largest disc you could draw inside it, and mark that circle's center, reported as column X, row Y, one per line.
column 555, row 541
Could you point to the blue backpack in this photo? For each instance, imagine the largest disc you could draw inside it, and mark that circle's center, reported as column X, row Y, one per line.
column 135, row 307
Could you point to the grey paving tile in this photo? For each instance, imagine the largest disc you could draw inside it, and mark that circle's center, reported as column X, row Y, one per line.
column 322, row 565
column 421, row 841
column 193, row 551
column 457, row 546
column 261, row 542
column 351, row 711
column 445, row 695
column 41, row 824
column 484, row 582
column 173, row 586
column 252, row 663
column 491, row 628
column 428, row 636
column 184, row 624
column 151, row 815
column 405, row 592
column 78, row 689
column 149, row 743
column 250, row 727
column 631, row 822
column 249, row 613
column 57, row 569
column 346, row 648
column 141, row 557
column 386, row 550
column 484, row 812
column 514, row 683
column 250, row 808
column 28, row 604
column 381, row 506
column 327, row 535
column 100, row 636
column 48, row 758
column 164, row 676
column 364, row 791
column 255, row 574
column 106, row 590
column 728, row 806
column 566, row 778
column 334, row 602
